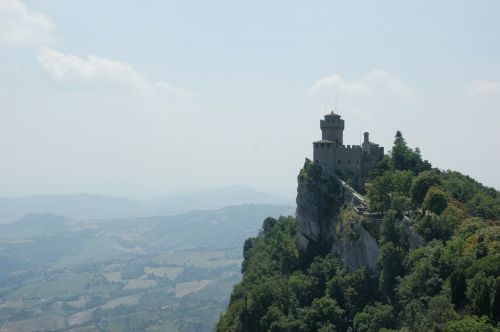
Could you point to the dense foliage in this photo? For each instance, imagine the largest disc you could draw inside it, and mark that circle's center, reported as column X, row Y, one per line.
column 402, row 180
column 450, row 281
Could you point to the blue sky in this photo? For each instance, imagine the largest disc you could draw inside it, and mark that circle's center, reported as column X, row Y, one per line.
column 141, row 99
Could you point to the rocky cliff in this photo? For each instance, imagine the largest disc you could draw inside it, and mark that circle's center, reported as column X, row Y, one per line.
column 322, row 225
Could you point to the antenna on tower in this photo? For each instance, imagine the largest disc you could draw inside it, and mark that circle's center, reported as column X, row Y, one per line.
column 337, row 102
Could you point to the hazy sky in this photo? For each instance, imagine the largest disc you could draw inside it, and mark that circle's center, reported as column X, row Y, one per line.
column 149, row 98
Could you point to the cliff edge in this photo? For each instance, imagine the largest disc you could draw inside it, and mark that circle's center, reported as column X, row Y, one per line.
column 326, row 221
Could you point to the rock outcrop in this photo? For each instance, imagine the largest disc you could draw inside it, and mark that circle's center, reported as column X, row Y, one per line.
column 320, row 200
column 363, row 250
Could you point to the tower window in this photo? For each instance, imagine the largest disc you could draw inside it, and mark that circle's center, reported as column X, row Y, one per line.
column 357, row 162
column 338, row 161
column 348, row 161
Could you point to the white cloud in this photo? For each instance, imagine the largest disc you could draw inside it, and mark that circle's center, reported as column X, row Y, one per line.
column 20, row 27
column 102, row 73
column 378, row 93
column 479, row 89
column 376, row 83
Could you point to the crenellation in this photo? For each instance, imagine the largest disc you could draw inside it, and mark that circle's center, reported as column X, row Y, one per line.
column 351, row 161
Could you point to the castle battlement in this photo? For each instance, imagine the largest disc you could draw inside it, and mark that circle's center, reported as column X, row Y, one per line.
column 351, row 147
column 352, row 162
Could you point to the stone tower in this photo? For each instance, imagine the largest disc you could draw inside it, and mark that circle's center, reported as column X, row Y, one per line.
column 350, row 162
column 332, row 128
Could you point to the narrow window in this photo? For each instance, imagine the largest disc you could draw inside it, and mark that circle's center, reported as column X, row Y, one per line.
column 348, row 161
column 339, row 161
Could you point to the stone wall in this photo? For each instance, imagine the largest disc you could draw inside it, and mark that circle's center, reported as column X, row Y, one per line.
column 350, row 161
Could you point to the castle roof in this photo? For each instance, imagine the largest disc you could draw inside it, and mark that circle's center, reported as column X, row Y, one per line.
column 332, row 115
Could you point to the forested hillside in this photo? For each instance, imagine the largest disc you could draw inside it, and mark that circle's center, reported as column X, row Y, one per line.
column 450, row 281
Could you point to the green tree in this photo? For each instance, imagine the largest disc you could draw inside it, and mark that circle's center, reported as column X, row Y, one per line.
column 426, row 267
column 435, row 200
column 400, row 152
column 421, row 185
column 470, row 323
column 458, row 286
column 404, row 158
column 384, row 165
column 270, row 291
column 247, row 250
column 276, row 321
column 352, row 291
column 413, row 314
column 469, row 226
column 479, row 290
column 391, row 267
column 448, row 221
column 323, row 311
column 304, row 287
column 379, row 192
column 495, row 303
column 324, row 268
column 373, row 318
column 400, row 204
column 284, row 251
column 440, row 310
column 440, row 226
column 480, row 200
column 389, row 230
column 382, row 189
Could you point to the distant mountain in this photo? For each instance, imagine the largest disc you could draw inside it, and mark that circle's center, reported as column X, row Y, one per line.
column 208, row 200
column 80, row 206
column 86, row 206
column 36, row 241
column 35, row 225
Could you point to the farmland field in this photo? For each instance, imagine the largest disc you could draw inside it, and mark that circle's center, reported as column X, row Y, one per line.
column 122, row 275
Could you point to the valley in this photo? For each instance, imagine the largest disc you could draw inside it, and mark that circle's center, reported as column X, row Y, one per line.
column 170, row 273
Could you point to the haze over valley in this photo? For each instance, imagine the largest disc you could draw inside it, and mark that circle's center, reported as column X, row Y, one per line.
column 122, row 270
column 228, row 166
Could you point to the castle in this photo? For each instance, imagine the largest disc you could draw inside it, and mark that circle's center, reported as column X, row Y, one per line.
column 352, row 162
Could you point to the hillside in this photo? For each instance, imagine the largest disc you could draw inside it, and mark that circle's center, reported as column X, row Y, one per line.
column 86, row 206
column 170, row 273
column 419, row 252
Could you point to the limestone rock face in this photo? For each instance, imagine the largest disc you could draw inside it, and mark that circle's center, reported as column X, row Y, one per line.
column 320, row 199
column 359, row 252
